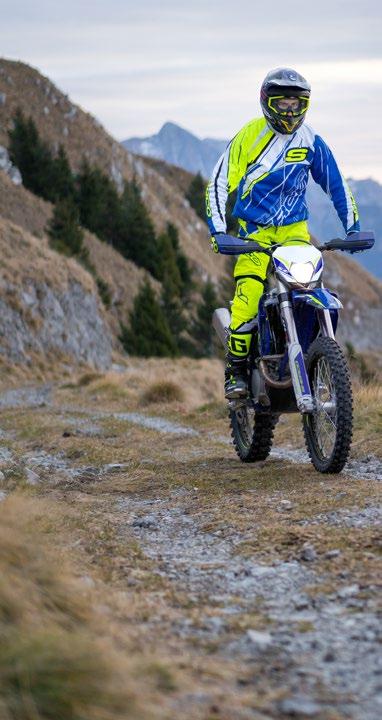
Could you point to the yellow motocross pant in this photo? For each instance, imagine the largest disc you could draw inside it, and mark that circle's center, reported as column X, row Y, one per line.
column 250, row 273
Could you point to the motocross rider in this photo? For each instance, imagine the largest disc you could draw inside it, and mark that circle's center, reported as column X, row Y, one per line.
column 268, row 162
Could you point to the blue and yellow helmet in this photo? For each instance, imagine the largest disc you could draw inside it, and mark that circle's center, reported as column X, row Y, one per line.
column 284, row 98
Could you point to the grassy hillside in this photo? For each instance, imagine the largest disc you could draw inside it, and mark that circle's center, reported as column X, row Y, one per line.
column 59, row 121
column 122, row 276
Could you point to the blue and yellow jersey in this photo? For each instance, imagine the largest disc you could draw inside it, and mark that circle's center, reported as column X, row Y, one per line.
column 270, row 172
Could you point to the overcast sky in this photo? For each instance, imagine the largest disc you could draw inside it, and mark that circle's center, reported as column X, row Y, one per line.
column 135, row 65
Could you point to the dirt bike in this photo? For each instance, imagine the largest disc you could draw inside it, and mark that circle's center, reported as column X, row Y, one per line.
column 295, row 363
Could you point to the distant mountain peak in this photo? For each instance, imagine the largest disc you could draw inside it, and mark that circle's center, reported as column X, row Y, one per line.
column 179, row 146
column 173, row 127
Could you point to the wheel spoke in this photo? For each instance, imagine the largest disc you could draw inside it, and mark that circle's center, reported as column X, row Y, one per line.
column 325, row 416
column 246, row 422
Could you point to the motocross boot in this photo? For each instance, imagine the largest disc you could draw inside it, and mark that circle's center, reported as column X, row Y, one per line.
column 236, row 377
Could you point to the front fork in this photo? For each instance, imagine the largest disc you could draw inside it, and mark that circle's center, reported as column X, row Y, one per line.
column 298, row 372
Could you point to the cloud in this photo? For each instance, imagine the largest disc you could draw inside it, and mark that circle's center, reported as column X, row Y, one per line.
column 136, row 65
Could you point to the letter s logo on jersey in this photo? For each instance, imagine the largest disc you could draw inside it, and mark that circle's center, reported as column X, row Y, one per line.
column 296, row 154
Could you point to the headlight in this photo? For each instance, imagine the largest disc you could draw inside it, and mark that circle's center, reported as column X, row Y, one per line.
column 302, row 272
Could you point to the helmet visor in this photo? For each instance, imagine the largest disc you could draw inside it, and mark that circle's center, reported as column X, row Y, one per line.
column 288, row 106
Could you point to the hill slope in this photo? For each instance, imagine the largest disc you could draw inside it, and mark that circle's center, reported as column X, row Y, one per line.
column 61, row 122
column 48, row 304
column 122, row 276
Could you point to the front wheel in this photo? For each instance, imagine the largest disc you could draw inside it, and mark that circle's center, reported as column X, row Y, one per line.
column 252, row 433
column 328, row 429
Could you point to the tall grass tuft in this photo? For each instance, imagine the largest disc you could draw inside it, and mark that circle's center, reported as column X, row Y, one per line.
column 164, row 391
column 53, row 664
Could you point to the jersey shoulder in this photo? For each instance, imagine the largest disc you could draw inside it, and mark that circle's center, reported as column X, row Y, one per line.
column 307, row 134
column 252, row 127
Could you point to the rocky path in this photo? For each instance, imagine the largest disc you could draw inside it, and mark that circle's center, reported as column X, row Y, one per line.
column 260, row 583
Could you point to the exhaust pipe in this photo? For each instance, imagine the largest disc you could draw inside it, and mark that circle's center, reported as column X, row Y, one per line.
column 221, row 319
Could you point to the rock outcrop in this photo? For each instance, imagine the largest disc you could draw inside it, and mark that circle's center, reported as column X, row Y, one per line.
column 6, row 166
column 48, row 305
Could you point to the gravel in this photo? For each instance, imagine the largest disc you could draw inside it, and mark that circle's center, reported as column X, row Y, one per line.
column 335, row 655
column 26, row 397
column 299, row 707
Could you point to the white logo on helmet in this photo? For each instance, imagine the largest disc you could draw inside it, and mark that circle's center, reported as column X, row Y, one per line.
column 292, row 77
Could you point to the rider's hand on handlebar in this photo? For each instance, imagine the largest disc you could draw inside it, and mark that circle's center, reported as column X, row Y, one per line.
column 214, row 244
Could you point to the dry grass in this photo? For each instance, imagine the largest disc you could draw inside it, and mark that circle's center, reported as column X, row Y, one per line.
column 164, row 391
column 23, row 208
column 202, row 403
column 194, row 384
column 24, row 258
column 367, row 427
column 53, row 660
column 367, row 436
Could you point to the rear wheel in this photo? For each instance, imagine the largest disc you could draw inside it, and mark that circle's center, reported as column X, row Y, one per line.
column 328, row 430
column 252, row 433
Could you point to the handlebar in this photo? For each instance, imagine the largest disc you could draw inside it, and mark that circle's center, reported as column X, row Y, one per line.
column 230, row 245
column 355, row 242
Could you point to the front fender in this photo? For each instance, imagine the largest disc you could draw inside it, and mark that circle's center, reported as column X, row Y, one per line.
column 319, row 298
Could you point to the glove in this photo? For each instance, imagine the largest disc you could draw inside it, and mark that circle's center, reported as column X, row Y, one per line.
column 214, row 244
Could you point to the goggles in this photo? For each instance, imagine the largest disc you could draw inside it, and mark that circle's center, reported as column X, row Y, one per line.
column 284, row 105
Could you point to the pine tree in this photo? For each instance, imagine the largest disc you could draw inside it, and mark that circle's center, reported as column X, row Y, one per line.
column 98, row 203
column 202, row 330
column 167, row 266
column 196, row 195
column 138, row 241
column 182, row 263
column 173, row 310
column 61, row 176
column 63, row 229
column 149, row 333
column 31, row 155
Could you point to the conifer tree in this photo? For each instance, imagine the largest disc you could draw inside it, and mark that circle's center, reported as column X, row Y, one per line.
column 168, row 267
column 64, row 230
column 183, row 265
column 196, row 195
column 173, row 310
column 61, row 176
column 138, row 242
column 98, row 203
column 149, row 333
column 31, row 155
column 202, row 330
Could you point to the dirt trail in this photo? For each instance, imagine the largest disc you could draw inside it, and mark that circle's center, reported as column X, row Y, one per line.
column 258, row 584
